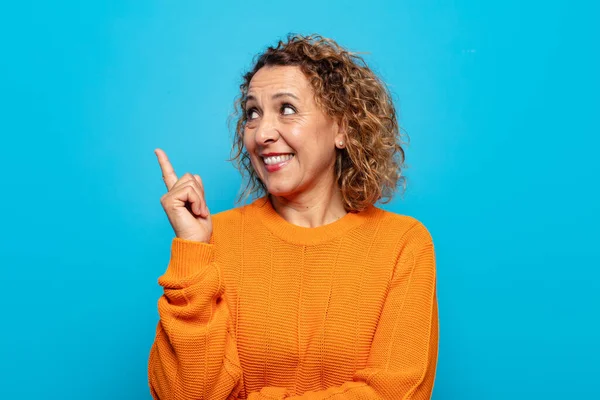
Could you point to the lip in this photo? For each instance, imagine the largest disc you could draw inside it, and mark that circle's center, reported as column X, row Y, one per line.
column 278, row 166
column 274, row 154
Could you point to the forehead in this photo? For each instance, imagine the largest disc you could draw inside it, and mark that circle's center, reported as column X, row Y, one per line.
column 274, row 78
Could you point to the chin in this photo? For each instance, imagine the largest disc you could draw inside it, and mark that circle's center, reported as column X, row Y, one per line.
column 281, row 190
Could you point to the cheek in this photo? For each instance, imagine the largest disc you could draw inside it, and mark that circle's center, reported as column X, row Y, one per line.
column 246, row 138
column 312, row 140
column 300, row 136
column 250, row 148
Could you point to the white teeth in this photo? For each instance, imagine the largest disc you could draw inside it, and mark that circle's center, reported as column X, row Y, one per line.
column 277, row 159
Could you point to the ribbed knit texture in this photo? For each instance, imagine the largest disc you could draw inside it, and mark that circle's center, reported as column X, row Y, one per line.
column 271, row 310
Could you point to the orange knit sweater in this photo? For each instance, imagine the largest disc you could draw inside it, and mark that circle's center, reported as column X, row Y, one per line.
column 271, row 310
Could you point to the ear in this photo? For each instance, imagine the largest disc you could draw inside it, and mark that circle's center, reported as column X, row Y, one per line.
column 340, row 137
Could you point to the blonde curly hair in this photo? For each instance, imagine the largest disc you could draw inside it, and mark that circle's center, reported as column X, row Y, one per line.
column 369, row 168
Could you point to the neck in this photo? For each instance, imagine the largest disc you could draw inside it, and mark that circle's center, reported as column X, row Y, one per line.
column 311, row 210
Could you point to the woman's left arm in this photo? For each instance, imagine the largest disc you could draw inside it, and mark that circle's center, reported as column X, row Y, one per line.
column 403, row 355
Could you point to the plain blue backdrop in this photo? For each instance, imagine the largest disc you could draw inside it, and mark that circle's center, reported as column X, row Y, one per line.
column 500, row 100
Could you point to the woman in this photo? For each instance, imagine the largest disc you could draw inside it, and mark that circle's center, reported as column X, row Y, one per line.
column 310, row 291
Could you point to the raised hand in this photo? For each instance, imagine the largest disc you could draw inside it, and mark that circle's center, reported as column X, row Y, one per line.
column 184, row 203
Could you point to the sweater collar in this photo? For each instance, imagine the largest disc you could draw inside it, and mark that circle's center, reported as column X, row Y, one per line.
column 308, row 236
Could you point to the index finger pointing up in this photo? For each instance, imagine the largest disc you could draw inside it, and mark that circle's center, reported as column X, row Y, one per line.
column 168, row 172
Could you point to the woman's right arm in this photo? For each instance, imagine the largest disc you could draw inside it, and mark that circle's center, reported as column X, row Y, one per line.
column 194, row 354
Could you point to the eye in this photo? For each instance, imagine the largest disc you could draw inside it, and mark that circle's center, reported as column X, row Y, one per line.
column 251, row 113
column 287, row 109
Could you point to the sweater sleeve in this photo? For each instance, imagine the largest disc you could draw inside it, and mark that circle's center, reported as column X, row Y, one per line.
column 194, row 355
column 403, row 355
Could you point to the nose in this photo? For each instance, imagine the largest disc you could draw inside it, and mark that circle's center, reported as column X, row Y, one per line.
column 267, row 130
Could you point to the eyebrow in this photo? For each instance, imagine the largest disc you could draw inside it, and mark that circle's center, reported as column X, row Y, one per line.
column 275, row 96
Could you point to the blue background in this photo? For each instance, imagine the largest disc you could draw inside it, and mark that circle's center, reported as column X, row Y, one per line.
column 500, row 101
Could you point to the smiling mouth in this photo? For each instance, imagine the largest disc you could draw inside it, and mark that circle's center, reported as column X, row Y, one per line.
column 274, row 160
column 275, row 163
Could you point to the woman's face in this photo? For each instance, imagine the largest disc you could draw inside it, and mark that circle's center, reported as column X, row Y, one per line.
column 291, row 142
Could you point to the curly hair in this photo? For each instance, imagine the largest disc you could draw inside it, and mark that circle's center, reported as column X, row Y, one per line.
column 369, row 167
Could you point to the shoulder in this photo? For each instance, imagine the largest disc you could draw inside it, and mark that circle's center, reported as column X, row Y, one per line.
column 413, row 246
column 227, row 216
column 231, row 220
column 407, row 230
column 227, row 225
column 227, row 219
